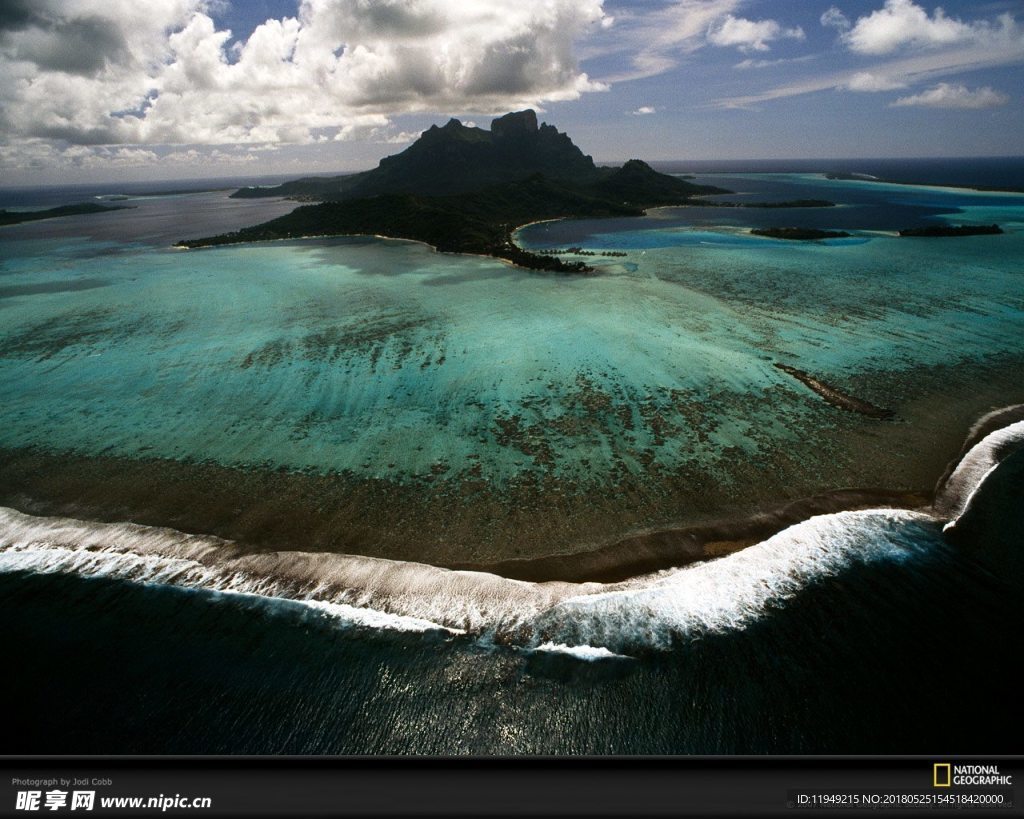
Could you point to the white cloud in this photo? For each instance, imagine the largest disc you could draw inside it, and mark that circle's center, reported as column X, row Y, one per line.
column 939, row 46
column 387, row 137
column 903, row 23
column 644, row 110
column 160, row 72
column 657, row 40
column 834, row 18
column 750, row 35
column 749, row 63
column 46, row 156
column 945, row 95
column 909, row 71
column 868, row 81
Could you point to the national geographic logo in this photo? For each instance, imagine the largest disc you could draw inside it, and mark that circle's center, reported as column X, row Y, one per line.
column 948, row 775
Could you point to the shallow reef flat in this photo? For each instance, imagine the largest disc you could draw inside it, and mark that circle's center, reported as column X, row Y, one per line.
column 376, row 397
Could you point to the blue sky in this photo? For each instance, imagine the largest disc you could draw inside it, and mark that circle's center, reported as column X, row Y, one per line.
column 138, row 89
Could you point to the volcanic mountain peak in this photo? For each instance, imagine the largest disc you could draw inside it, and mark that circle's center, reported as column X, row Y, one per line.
column 456, row 158
column 464, row 189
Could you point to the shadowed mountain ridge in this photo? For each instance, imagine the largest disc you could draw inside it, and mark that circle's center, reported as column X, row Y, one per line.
column 465, row 189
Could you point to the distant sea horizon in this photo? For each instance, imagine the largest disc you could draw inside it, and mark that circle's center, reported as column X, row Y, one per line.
column 1003, row 172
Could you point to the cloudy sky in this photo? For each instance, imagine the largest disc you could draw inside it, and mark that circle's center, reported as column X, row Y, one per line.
column 137, row 89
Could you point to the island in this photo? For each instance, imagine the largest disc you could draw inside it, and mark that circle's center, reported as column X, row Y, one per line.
column 16, row 217
column 936, row 231
column 799, row 234
column 464, row 189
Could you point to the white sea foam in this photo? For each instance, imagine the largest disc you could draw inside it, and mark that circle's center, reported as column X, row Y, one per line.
column 732, row 591
column 584, row 652
column 186, row 573
column 371, row 618
column 589, row 620
column 954, row 497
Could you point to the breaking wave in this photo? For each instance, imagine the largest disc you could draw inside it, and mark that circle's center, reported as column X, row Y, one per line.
column 954, row 496
column 590, row 621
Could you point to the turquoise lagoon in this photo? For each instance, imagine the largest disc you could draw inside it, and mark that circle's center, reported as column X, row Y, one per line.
column 652, row 382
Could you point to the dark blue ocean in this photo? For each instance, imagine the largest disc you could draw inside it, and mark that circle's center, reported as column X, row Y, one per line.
column 1001, row 173
column 870, row 631
column 887, row 659
column 1006, row 173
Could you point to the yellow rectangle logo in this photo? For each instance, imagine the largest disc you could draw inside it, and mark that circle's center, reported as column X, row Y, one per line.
column 942, row 775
